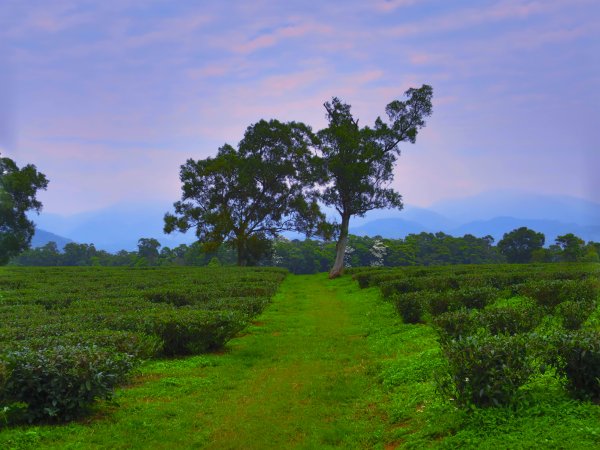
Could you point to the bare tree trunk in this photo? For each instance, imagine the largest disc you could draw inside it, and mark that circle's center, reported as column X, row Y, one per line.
column 340, row 249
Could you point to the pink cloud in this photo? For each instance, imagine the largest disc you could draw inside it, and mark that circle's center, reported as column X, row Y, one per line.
column 273, row 38
column 391, row 5
column 504, row 10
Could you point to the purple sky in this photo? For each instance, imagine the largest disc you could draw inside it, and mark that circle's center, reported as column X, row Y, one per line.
column 109, row 98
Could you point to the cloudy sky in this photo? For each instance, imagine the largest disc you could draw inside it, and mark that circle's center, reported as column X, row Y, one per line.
column 109, row 98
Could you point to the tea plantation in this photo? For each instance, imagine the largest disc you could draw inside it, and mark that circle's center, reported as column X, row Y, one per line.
column 70, row 335
column 499, row 356
column 498, row 326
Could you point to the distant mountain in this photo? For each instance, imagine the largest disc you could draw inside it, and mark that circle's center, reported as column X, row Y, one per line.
column 390, row 228
column 115, row 228
column 507, row 203
column 42, row 237
column 120, row 226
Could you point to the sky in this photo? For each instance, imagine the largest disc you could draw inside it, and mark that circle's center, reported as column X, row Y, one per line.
column 109, row 98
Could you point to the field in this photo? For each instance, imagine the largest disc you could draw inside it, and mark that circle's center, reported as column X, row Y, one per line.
column 394, row 358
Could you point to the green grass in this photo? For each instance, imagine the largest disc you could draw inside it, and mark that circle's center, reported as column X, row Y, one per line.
column 327, row 365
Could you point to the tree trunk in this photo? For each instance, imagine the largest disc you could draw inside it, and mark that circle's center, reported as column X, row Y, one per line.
column 242, row 260
column 340, row 248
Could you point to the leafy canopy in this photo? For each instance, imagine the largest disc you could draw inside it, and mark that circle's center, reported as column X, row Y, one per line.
column 358, row 162
column 18, row 189
column 246, row 195
column 518, row 245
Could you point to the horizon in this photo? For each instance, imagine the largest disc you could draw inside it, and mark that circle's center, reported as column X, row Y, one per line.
column 109, row 100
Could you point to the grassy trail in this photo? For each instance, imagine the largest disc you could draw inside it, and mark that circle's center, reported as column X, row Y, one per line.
column 303, row 376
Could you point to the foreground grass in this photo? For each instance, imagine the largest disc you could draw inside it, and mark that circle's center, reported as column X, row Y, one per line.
column 326, row 366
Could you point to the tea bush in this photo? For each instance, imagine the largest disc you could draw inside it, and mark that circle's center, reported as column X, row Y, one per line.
column 510, row 319
column 76, row 316
column 499, row 324
column 411, row 306
column 60, row 382
column 578, row 359
column 485, row 370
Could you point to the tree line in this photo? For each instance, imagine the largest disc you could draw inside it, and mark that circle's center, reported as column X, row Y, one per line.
column 313, row 255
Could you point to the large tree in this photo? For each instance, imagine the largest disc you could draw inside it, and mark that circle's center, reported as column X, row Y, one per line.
column 18, row 189
column 518, row 246
column 358, row 162
column 247, row 195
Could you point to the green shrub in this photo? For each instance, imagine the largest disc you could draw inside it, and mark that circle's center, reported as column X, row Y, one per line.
column 578, row 359
column 176, row 298
column 60, row 382
column 454, row 325
column 411, row 306
column 550, row 293
column 574, row 314
column 511, row 319
column 442, row 302
column 485, row 370
column 183, row 331
column 402, row 286
column 475, row 297
column 545, row 292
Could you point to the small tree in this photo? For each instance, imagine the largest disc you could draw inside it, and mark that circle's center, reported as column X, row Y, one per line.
column 148, row 248
column 18, row 189
column 358, row 163
column 247, row 195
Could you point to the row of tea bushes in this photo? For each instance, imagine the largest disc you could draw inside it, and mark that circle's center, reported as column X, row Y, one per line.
column 499, row 326
column 70, row 335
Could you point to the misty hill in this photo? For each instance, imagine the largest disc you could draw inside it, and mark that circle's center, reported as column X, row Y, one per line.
column 507, row 203
column 494, row 213
column 115, row 228
column 42, row 237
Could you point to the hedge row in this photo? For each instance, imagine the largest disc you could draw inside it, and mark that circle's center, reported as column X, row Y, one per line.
column 500, row 325
column 68, row 336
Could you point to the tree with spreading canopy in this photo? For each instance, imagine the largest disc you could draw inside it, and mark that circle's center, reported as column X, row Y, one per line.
column 357, row 162
column 518, row 246
column 18, row 189
column 247, row 195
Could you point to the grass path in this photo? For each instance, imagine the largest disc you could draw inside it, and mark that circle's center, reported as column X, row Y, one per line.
column 303, row 376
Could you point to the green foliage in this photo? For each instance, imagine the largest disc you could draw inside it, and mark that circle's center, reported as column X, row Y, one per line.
column 454, row 324
column 411, row 306
column 493, row 342
column 485, row 370
column 475, row 297
column 183, row 331
column 135, row 313
column 518, row 245
column 60, row 382
column 549, row 293
column 573, row 313
column 357, row 163
column 578, row 359
column 572, row 247
column 18, row 190
column 510, row 319
column 246, row 195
